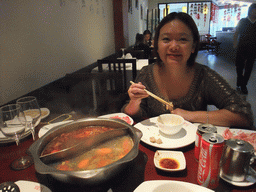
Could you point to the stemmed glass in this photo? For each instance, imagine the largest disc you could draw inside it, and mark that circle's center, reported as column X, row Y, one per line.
column 31, row 109
column 123, row 55
column 13, row 124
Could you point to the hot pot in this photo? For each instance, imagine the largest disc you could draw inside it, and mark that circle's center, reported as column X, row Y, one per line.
column 94, row 176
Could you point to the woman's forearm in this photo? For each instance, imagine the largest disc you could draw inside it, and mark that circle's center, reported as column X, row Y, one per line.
column 221, row 117
column 133, row 107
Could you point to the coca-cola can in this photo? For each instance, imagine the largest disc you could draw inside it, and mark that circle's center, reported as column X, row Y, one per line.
column 203, row 128
column 209, row 160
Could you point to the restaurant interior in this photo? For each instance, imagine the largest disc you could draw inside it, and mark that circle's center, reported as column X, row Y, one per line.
column 61, row 51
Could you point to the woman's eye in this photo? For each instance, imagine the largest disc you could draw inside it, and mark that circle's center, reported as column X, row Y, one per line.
column 183, row 39
column 165, row 39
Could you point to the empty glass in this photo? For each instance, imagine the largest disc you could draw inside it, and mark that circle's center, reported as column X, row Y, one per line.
column 31, row 109
column 13, row 124
column 123, row 55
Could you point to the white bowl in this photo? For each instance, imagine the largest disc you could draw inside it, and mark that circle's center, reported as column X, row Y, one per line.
column 170, row 124
column 177, row 156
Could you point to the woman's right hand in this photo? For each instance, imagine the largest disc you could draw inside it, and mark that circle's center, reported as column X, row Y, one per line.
column 136, row 91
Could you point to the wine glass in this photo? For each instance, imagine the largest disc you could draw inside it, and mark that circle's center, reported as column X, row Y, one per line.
column 32, row 111
column 13, row 124
column 123, row 55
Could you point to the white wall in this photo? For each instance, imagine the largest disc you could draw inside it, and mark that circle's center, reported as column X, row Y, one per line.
column 41, row 41
column 136, row 24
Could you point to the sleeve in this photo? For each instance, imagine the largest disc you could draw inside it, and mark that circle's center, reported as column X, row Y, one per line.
column 223, row 96
column 142, row 77
column 240, row 26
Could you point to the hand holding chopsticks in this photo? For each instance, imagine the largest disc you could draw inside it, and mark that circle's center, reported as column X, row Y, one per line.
column 169, row 105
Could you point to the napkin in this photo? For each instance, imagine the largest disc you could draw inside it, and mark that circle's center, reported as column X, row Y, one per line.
column 128, row 56
column 15, row 122
column 46, row 128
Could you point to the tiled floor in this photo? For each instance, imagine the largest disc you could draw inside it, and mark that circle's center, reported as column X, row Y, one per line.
column 226, row 68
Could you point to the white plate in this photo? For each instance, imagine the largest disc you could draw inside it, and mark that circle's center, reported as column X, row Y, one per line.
column 178, row 156
column 29, row 186
column 44, row 113
column 184, row 137
column 4, row 139
column 46, row 128
column 221, row 130
column 121, row 116
column 167, row 186
column 235, row 132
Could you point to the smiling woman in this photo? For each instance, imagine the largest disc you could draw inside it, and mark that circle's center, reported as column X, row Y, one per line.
column 175, row 43
column 190, row 86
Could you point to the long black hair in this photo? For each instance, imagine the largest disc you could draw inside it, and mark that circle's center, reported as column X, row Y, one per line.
column 190, row 23
column 252, row 6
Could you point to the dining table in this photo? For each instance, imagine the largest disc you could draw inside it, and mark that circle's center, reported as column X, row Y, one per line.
column 141, row 169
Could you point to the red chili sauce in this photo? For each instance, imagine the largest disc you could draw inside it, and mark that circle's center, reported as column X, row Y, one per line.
column 169, row 163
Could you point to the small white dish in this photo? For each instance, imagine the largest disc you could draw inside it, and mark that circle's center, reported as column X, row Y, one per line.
column 121, row 116
column 30, row 186
column 177, row 156
column 44, row 113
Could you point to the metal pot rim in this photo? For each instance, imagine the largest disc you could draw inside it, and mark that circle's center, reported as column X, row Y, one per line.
column 45, row 169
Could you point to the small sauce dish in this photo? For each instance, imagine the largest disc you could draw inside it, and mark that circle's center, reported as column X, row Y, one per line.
column 170, row 160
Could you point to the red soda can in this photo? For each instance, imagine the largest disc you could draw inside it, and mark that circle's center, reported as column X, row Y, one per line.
column 203, row 128
column 209, row 160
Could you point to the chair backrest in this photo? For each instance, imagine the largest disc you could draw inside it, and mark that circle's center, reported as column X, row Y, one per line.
column 139, row 54
column 121, row 66
column 151, row 61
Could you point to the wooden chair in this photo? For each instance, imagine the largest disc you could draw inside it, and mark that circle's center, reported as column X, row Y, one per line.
column 151, row 61
column 138, row 54
column 96, row 92
column 119, row 65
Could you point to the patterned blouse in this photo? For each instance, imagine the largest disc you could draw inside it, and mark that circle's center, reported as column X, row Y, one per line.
column 208, row 88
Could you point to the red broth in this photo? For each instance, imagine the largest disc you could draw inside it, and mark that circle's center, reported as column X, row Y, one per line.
column 100, row 156
column 71, row 138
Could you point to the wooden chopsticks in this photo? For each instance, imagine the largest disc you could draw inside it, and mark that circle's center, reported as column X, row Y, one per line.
column 168, row 105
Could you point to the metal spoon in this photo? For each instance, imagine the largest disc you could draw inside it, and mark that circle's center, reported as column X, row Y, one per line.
column 86, row 144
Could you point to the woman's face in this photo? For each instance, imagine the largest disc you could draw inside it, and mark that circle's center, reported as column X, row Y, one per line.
column 175, row 43
column 147, row 37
